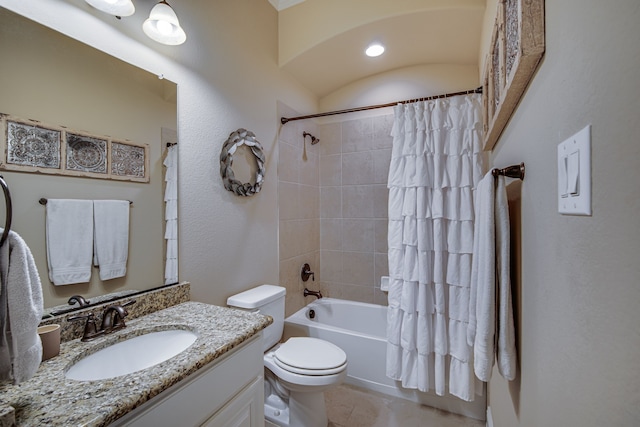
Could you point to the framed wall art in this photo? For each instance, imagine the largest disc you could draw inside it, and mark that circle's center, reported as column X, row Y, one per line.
column 517, row 46
column 31, row 146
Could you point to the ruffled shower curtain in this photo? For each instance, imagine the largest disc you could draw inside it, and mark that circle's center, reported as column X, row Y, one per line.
column 436, row 163
column 171, row 214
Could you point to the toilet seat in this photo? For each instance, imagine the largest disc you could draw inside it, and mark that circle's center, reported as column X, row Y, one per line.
column 310, row 356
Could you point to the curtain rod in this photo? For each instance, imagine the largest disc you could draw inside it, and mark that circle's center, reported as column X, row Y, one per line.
column 285, row 120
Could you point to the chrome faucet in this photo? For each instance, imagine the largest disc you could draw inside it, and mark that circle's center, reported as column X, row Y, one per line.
column 316, row 294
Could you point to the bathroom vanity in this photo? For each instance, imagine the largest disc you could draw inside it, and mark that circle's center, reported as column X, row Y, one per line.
column 216, row 381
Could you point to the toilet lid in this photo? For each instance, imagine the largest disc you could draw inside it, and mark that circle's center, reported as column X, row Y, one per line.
column 310, row 356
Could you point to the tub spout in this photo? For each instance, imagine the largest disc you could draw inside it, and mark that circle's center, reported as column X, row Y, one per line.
column 316, row 294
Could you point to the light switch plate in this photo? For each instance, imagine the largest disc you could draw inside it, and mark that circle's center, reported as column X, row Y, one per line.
column 574, row 174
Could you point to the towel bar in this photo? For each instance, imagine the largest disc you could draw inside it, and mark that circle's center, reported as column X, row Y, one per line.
column 43, row 201
column 513, row 171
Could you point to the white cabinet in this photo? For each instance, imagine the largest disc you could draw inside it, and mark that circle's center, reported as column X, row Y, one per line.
column 242, row 411
column 226, row 393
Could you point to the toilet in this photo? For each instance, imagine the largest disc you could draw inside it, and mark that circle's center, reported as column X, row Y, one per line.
column 297, row 371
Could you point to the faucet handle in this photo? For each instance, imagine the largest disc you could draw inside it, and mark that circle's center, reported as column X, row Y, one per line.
column 90, row 328
column 306, row 272
column 118, row 317
column 128, row 303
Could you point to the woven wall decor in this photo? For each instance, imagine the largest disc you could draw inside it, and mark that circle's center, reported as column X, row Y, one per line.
column 237, row 139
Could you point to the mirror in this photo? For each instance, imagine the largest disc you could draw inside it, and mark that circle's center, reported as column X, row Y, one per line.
column 51, row 78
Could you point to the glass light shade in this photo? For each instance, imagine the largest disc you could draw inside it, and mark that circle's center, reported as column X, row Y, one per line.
column 114, row 7
column 163, row 26
column 375, row 49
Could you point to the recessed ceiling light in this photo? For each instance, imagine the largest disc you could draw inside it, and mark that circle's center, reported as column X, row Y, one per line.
column 375, row 49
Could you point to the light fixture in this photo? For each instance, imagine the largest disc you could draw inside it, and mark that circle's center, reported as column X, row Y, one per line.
column 374, row 49
column 114, row 7
column 163, row 26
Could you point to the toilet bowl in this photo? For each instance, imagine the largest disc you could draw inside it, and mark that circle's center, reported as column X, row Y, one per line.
column 297, row 371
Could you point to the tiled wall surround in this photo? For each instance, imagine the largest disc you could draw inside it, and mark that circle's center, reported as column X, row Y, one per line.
column 299, row 207
column 354, row 164
column 333, row 207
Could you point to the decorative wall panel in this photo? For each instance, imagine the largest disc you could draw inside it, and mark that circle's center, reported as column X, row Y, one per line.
column 31, row 146
column 127, row 160
column 86, row 154
column 517, row 47
column 34, row 146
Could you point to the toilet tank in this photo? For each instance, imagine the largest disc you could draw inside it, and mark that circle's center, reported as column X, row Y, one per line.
column 266, row 299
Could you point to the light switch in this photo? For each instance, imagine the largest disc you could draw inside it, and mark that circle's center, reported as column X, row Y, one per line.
column 574, row 174
column 562, row 175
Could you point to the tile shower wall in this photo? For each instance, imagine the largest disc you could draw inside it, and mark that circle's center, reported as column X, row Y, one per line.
column 299, row 207
column 332, row 200
column 354, row 164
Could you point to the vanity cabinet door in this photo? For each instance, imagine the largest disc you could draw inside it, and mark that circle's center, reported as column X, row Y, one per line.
column 245, row 410
column 229, row 382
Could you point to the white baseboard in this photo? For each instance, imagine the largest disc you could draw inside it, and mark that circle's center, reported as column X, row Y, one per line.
column 489, row 417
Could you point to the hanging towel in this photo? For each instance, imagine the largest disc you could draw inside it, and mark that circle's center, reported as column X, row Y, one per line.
column 111, row 241
column 490, row 293
column 69, row 231
column 481, row 328
column 506, row 352
column 5, row 353
column 21, row 348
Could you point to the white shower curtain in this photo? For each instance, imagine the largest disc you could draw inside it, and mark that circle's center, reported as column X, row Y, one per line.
column 436, row 163
column 171, row 214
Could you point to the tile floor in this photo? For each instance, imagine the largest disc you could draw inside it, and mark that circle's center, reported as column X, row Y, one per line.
column 349, row 406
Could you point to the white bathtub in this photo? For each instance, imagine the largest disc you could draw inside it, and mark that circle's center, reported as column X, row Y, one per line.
column 360, row 329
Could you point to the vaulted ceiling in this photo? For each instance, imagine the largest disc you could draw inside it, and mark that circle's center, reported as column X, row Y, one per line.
column 322, row 42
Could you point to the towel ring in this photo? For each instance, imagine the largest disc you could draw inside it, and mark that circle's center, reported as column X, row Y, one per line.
column 9, row 213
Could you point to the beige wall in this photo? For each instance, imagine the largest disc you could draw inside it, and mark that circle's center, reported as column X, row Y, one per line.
column 56, row 80
column 579, row 293
column 402, row 84
column 227, row 78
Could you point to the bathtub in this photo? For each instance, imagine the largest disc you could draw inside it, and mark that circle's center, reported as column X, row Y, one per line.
column 359, row 329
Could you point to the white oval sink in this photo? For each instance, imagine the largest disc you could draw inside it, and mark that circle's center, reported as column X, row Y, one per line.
column 134, row 354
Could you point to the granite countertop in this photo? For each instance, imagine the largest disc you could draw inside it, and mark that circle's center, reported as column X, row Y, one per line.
column 49, row 398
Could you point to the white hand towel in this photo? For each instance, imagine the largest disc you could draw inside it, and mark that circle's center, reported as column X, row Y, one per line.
column 111, row 241
column 24, row 309
column 69, row 231
column 506, row 352
column 481, row 329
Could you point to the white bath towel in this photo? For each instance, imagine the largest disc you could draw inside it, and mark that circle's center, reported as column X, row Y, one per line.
column 490, row 293
column 69, row 231
column 23, row 291
column 482, row 283
column 111, row 241
column 506, row 351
